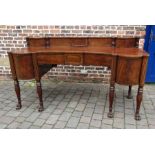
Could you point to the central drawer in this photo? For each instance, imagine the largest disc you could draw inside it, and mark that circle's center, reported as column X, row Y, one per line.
column 74, row 59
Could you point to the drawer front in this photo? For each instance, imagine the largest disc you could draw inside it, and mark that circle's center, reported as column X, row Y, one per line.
column 74, row 59
column 97, row 60
column 50, row 58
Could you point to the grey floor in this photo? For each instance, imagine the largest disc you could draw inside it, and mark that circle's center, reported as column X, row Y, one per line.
column 74, row 105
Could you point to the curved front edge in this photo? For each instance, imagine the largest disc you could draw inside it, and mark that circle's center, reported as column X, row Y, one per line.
column 128, row 70
column 23, row 65
column 22, row 69
column 132, row 71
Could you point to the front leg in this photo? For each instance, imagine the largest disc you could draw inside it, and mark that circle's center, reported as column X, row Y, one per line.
column 111, row 98
column 139, row 100
column 17, row 90
column 39, row 91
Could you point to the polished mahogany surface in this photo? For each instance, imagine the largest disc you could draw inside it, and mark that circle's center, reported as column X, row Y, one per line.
column 127, row 62
column 128, row 52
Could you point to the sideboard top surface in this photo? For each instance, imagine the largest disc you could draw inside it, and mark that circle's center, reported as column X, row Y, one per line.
column 128, row 52
column 126, row 47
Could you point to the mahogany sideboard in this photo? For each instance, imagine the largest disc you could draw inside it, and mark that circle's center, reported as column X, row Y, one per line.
column 127, row 62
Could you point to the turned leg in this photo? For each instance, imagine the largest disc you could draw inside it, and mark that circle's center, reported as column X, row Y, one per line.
column 139, row 100
column 39, row 91
column 17, row 90
column 111, row 98
column 129, row 92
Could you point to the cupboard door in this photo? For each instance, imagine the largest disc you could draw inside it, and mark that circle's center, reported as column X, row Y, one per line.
column 128, row 70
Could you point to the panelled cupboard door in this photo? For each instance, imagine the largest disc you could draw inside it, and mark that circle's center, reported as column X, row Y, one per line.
column 128, row 70
column 24, row 66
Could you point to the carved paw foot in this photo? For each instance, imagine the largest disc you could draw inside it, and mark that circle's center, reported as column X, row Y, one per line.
column 18, row 106
column 137, row 117
column 110, row 115
column 129, row 97
column 41, row 108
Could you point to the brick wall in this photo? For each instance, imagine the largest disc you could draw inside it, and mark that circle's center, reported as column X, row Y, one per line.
column 13, row 36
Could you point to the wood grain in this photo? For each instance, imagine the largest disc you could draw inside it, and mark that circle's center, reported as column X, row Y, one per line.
column 127, row 62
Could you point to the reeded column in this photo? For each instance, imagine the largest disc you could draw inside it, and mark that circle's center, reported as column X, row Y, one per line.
column 139, row 101
column 17, row 90
column 111, row 99
column 39, row 92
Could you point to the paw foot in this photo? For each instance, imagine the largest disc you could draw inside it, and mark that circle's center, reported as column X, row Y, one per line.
column 18, row 106
column 110, row 115
column 41, row 108
column 137, row 117
column 129, row 97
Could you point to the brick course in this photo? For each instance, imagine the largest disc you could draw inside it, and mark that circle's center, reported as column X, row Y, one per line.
column 13, row 36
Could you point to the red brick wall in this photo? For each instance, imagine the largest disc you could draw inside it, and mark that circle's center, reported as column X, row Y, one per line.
column 13, row 36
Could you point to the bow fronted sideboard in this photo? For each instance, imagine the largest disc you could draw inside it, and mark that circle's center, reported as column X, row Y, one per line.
column 127, row 62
